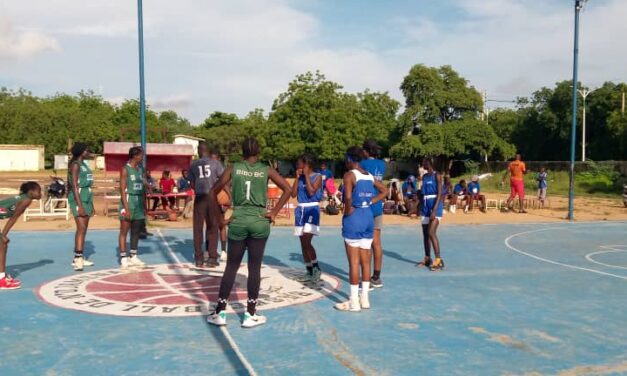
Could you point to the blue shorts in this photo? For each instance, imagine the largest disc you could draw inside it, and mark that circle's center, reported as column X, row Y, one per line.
column 358, row 226
column 427, row 208
column 307, row 220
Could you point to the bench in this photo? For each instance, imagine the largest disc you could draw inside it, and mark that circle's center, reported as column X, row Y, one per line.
column 54, row 210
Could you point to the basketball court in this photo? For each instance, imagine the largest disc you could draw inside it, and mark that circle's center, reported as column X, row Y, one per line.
column 513, row 299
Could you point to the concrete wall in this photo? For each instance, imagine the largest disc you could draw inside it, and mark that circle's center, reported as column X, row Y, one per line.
column 21, row 158
column 187, row 141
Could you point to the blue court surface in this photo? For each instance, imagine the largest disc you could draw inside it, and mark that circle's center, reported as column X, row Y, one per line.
column 514, row 299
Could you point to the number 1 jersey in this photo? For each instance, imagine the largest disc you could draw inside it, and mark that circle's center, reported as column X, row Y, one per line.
column 249, row 185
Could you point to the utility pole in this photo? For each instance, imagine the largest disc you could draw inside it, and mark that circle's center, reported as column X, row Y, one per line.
column 142, row 96
column 584, row 94
column 622, row 108
column 579, row 4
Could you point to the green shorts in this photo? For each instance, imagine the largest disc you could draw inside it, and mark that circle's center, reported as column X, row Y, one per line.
column 137, row 207
column 249, row 222
column 86, row 200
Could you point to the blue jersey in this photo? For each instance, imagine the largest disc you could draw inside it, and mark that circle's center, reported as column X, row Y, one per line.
column 474, row 188
column 376, row 168
column 363, row 190
column 302, row 195
column 541, row 178
column 430, row 184
column 458, row 190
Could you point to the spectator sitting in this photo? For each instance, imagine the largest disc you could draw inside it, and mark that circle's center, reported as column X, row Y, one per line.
column 332, row 192
column 542, row 186
column 474, row 193
column 409, row 188
column 152, row 188
column 166, row 184
column 460, row 194
column 447, row 189
column 395, row 194
column 184, row 185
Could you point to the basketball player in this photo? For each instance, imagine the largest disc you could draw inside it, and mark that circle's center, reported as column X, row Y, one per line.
column 12, row 208
column 431, row 214
column 81, row 200
column 375, row 167
column 204, row 173
column 358, row 227
column 132, row 207
column 249, row 227
column 307, row 188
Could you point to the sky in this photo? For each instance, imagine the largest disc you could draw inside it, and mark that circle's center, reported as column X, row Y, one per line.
column 236, row 55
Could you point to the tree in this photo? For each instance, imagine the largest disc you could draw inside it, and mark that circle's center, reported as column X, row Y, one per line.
column 441, row 119
column 217, row 119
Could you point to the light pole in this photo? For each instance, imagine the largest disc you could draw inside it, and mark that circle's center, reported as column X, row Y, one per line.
column 584, row 94
column 579, row 4
column 142, row 98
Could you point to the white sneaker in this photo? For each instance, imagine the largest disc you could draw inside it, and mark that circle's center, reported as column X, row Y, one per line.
column 364, row 302
column 351, row 305
column 452, row 209
column 124, row 263
column 250, row 321
column 78, row 263
column 135, row 261
column 315, row 277
column 465, row 209
column 223, row 256
column 217, row 319
column 87, row 262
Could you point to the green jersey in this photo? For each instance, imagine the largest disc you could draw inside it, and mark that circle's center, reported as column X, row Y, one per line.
column 85, row 181
column 249, row 185
column 7, row 205
column 134, row 180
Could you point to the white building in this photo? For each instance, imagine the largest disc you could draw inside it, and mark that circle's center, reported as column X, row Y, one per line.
column 22, row 158
column 181, row 139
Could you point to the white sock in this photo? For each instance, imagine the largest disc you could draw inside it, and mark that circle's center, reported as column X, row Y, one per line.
column 133, row 252
column 365, row 287
column 2, row 275
column 354, row 292
column 313, row 261
column 308, row 264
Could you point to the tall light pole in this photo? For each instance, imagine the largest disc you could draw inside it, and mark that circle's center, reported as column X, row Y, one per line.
column 142, row 97
column 579, row 4
column 584, row 94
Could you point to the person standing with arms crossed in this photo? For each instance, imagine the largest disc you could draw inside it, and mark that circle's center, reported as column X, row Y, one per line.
column 249, row 227
column 516, row 170
column 81, row 201
column 204, row 173
column 376, row 167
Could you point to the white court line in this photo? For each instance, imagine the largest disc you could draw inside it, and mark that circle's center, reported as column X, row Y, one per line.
column 551, row 261
column 249, row 368
column 607, row 249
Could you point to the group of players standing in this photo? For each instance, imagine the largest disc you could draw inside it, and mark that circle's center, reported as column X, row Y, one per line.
column 246, row 185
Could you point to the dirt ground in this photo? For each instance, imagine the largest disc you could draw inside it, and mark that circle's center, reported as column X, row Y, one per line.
column 586, row 209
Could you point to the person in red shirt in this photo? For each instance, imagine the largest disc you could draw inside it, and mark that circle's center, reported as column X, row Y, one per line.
column 517, row 171
column 166, row 184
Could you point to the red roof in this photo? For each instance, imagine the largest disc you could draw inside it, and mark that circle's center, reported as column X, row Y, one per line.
column 151, row 149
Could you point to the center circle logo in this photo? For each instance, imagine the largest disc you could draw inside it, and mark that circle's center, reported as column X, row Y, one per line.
column 168, row 290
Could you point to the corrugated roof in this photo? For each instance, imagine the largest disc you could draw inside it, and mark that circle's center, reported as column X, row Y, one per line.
column 188, row 137
column 151, row 149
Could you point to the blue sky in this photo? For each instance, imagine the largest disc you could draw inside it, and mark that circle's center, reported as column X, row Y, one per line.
column 208, row 55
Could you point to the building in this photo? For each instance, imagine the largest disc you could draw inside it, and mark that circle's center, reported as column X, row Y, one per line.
column 22, row 158
column 159, row 157
column 181, row 139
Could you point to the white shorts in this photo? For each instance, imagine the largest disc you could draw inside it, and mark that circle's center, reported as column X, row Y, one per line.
column 308, row 228
column 359, row 243
column 427, row 220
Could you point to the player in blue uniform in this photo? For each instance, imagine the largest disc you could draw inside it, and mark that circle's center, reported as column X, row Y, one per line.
column 431, row 213
column 358, row 227
column 307, row 188
column 376, row 168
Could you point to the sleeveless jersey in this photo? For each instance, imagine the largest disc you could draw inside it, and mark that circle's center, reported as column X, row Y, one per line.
column 302, row 195
column 134, row 180
column 249, row 185
column 376, row 167
column 85, row 180
column 7, row 205
column 430, row 184
column 363, row 189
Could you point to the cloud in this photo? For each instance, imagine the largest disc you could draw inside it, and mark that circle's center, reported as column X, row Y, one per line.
column 15, row 44
column 177, row 102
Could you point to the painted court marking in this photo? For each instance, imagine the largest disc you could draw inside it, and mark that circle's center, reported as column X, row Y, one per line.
column 608, row 249
column 580, row 268
column 249, row 368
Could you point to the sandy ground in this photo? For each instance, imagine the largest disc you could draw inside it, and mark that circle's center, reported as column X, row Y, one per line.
column 586, row 209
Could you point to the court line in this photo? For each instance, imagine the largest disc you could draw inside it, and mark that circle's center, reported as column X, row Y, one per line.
column 580, row 268
column 607, row 249
column 249, row 368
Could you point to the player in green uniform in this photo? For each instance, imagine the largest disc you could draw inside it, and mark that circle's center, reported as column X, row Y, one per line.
column 81, row 199
column 132, row 207
column 12, row 208
column 249, row 227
